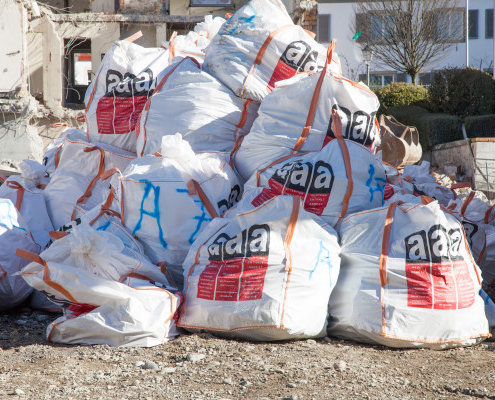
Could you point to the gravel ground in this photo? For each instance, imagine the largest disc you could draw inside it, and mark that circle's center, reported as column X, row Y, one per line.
column 204, row 367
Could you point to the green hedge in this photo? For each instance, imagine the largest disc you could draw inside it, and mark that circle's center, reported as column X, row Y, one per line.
column 480, row 126
column 462, row 92
column 433, row 128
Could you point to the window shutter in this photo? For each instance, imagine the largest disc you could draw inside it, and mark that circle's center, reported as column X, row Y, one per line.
column 323, row 30
column 473, row 24
column 489, row 23
column 363, row 26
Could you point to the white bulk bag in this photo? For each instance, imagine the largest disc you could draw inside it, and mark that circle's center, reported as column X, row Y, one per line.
column 77, row 180
column 343, row 177
column 488, row 264
column 167, row 200
column 189, row 101
column 262, row 275
column 51, row 158
column 259, row 46
column 298, row 117
column 116, row 96
column 14, row 233
column 30, row 202
column 407, row 280
column 93, row 275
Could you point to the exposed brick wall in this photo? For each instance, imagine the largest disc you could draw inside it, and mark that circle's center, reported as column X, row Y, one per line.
column 310, row 17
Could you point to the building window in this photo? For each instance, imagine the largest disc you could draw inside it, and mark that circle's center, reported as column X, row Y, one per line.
column 473, row 24
column 450, row 25
column 382, row 28
column 323, row 32
column 489, row 23
column 381, row 80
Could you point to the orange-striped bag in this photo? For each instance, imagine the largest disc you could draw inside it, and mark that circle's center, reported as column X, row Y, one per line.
column 77, row 180
column 259, row 46
column 261, row 274
column 407, row 279
column 115, row 98
column 344, row 177
column 190, row 101
column 298, row 117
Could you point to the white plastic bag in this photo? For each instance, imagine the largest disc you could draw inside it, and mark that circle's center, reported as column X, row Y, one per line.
column 189, row 101
column 77, row 180
column 116, row 96
column 343, row 177
column 259, row 46
column 111, row 294
column 265, row 274
column 166, row 201
column 298, row 117
column 14, row 233
column 407, row 280
column 30, row 202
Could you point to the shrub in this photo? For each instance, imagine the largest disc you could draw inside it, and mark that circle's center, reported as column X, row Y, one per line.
column 433, row 129
column 480, row 126
column 462, row 92
column 400, row 93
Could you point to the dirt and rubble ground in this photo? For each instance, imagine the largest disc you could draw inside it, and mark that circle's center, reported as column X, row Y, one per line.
column 204, row 367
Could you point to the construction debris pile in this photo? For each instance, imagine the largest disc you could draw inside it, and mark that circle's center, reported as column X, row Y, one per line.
column 231, row 183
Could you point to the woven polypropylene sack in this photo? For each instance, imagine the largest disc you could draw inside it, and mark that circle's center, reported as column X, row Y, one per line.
column 14, row 233
column 259, row 46
column 323, row 180
column 190, row 101
column 407, row 280
column 265, row 274
column 167, row 200
column 298, row 117
column 77, row 179
column 92, row 275
column 30, row 202
column 116, row 96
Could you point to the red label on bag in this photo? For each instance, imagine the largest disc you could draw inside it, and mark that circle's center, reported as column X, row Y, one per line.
column 118, row 111
column 437, row 276
column 313, row 183
column 298, row 56
column 237, row 267
column 118, row 115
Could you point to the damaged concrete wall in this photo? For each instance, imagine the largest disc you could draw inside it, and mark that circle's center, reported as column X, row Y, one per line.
column 35, row 64
column 149, row 33
column 71, row 6
column 13, row 25
column 105, row 6
column 143, row 6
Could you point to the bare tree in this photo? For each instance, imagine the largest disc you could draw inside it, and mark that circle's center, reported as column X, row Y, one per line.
column 408, row 35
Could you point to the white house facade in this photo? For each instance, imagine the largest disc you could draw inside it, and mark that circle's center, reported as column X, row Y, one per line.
column 335, row 20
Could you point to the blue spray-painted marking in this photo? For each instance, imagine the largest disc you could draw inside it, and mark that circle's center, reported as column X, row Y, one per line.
column 153, row 214
column 322, row 259
column 485, row 297
column 104, row 227
column 7, row 220
column 379, row 184
column 244, row 22
column 201, row 219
